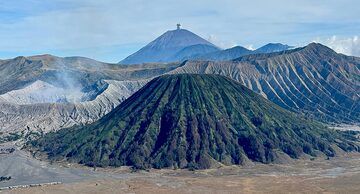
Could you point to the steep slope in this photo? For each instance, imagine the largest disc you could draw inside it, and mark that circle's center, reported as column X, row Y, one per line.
column 193, row 121
column 273, row 47
column 165, row 47
column 314, row 80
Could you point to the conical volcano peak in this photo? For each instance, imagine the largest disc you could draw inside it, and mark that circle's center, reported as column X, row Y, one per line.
column 178, row 38
column 165, row 47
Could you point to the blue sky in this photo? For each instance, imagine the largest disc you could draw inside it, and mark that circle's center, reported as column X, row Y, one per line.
column 109, row 30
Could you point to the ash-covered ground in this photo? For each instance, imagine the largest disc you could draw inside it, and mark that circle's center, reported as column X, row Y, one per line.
column 334, row 175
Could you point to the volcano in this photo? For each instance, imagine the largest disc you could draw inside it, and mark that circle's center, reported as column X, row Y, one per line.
column 193, row 121
column 166, row 47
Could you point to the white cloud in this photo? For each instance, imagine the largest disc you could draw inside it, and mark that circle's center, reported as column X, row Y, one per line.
column 250, row 47
column 220, row 43
column 344, row 45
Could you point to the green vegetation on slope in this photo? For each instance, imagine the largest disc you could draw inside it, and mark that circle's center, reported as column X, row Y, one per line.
column 192, row 121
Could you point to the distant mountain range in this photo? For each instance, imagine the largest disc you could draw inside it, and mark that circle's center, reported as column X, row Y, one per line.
column 222, row 55
column 193, row 121
column 179, row 45
column 273, row 47
column 236, row 52
column 313, row 80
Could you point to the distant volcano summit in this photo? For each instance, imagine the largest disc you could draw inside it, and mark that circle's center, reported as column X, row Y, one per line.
column 166, row 47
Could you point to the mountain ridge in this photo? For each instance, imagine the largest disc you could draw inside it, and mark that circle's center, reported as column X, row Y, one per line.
column 222, row 55
column 312, row 79
column 239, row 51
column 273, row 47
